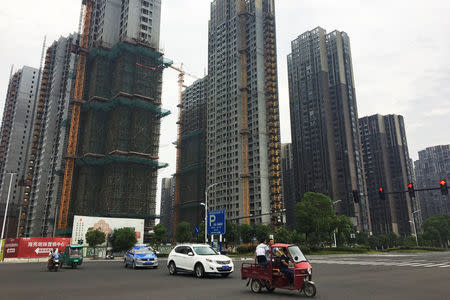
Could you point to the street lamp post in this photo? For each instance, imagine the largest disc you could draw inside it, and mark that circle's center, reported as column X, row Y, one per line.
column 7, row 203
column 206, row 210
column 334, row 232
column 414, row 225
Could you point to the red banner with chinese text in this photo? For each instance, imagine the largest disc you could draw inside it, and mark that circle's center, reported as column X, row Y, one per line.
column 34, row 247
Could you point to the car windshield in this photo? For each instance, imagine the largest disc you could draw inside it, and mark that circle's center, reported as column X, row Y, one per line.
column 76, row 251
column 296, row 254
column 205, row 251
column 143, row 251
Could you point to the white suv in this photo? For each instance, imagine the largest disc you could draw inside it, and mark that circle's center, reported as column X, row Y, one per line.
column 200, row 259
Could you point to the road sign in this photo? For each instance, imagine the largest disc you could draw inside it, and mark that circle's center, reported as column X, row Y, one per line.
column 196, row 229
column 216, row 222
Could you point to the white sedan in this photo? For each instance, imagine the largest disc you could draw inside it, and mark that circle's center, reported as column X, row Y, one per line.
column 199, row 259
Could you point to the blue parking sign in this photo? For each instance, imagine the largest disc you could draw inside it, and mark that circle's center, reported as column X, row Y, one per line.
column 216, row 222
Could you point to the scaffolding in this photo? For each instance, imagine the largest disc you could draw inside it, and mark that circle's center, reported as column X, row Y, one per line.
column 245, row 175
column 273, row 119
column 76, row 109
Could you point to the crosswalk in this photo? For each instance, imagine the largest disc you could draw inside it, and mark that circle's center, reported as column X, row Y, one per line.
column 385, row 262
column 374, row 261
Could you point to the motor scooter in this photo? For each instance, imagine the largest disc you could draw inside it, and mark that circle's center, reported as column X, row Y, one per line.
column 54, row 264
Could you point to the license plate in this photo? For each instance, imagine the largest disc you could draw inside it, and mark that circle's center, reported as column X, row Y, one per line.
column 225, row 268
column 148, row 263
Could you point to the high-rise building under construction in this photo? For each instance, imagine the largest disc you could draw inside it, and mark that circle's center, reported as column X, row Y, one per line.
column 16, row 134
column 43, row 179
column 243, row 136
column 191, row 168
column 112, row 153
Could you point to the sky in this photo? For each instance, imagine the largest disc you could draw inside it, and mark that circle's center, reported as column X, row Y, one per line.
column 400, row 52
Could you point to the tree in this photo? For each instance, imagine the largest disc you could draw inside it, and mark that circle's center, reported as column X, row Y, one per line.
column 159, row 233
column 184, row 232
column 262, row 233
column 437, row 230
column 344, row 227
column 362, row 238
column 231, row 234
column 123, row 239
column 282, row 236
column 314, row 217
column 246, row 233
column 95, row 238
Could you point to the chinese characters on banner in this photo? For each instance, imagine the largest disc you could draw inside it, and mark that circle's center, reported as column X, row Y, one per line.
column 34, row 247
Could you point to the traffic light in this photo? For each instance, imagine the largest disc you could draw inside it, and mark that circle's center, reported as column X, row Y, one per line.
column 381, row 193
column 355, row 196
column 444, row 188
column 411, row 190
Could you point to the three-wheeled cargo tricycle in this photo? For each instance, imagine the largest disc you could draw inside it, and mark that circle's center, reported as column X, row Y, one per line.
column 270, row 277
column 72, row 256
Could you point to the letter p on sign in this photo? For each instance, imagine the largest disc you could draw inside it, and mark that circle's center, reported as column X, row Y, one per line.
column 212, row 219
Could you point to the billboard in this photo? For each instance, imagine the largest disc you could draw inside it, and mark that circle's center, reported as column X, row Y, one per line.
column 33, row 247
column 81, row 224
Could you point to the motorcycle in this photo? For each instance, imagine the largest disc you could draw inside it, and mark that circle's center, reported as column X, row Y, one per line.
column 54, row 264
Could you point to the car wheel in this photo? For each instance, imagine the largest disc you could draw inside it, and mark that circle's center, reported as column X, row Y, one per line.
column 134, row 264
column 199, row 271
column 172, row 268
column 125, row 263
column 225, row 274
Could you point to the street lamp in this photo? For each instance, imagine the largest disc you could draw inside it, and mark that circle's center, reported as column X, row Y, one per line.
column 7, row 203
column 206, row 210
column 414, row 225
column 334, row 232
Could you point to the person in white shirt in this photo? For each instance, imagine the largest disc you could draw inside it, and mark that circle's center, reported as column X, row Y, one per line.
column 260, row 253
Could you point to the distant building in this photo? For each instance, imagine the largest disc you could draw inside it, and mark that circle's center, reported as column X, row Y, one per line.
column 243, row 130
column 432, row 166
column 191, row 171
column 326, row 144
column 16, row 138
column 289, row 196
column 167, row 205
column 50, row 134
column 387, row 165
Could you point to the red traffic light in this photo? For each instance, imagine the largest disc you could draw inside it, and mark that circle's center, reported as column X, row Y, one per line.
column 442, row 182
column 410, row 185
column 380, row 189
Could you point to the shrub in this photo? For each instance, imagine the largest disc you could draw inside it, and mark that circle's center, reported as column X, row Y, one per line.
column 242, row 249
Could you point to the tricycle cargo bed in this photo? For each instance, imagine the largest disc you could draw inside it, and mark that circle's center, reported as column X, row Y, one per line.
column 255, row 271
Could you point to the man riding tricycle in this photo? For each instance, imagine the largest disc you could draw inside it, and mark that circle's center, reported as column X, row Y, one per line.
column 287, row 269
column 72, row 256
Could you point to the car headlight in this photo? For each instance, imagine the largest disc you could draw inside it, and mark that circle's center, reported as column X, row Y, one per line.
column 309, row 271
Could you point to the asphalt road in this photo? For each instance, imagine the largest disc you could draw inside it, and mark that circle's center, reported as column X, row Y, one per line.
column 418, row 276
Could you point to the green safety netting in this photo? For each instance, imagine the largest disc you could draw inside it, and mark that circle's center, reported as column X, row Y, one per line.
column 135, row 49
column 194, row 133
column 111, row 104
column 193, row 168
column 128, row 215
column 108, row 159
